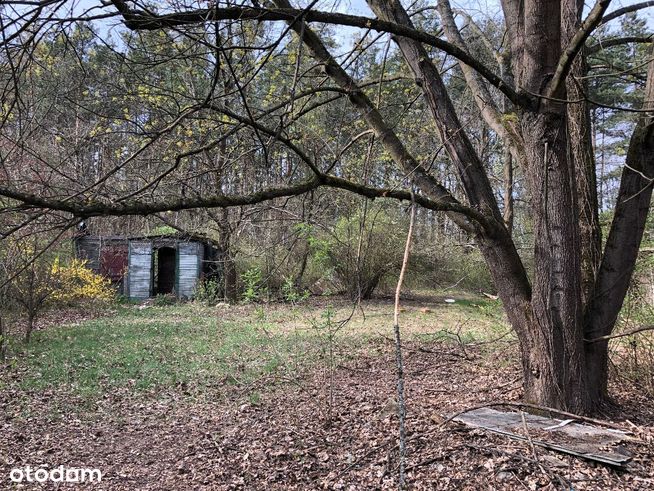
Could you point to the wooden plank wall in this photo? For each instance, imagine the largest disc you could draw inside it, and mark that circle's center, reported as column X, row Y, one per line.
column 140, row 269
column 89, row 248
column 188, row 268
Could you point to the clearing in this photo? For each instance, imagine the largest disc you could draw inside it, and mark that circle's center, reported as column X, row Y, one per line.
column 183, row 397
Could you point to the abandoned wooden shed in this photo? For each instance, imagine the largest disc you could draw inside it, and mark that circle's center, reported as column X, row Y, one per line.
column 146, row 266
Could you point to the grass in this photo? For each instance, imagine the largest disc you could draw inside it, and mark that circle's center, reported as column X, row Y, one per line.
column 154, row 347
column 197, row 347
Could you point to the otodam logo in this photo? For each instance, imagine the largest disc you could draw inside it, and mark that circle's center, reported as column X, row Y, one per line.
column 58, row 474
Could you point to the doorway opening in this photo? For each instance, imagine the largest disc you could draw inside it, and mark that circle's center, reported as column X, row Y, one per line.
column 166, row 265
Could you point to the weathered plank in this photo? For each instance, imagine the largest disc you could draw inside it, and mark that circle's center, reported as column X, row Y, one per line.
column 188, row 268
column 88, row 249
column 140, row 269
column 584, row 441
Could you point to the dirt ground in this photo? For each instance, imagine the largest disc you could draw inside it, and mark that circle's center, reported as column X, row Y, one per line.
column 289, row 440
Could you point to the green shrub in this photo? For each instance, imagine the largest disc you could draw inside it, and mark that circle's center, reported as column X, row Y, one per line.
column 291, row 293
column 39, row 279
column 253, row 285
column 209, row 292
column 361, row 251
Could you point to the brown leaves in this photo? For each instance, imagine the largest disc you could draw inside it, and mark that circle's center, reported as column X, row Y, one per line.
column 166, row 440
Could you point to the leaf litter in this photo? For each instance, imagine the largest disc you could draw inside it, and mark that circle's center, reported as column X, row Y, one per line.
column 288, row 438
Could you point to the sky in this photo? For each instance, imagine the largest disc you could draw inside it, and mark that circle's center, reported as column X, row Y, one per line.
column 110, row 28
column 488, row 8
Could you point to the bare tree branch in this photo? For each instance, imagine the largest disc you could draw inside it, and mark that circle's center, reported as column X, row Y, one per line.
column 482, row 95
column 620, row 335
column 139, row 20
column 625, row 10
column 557, row 84
column 85, row 208
column 617, row 41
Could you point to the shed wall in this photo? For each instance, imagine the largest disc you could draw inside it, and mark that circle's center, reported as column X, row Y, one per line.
column 140, row 269
column 188, row 267
column 114, row 256
column 88, row 248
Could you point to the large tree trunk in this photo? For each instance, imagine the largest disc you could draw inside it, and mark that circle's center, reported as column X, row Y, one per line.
column 622, row 244
column 566, row 257
column 581, row 152
column 554, row 374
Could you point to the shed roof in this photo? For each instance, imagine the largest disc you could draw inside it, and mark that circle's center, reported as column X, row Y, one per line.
column 179, row 237
column 185, row 237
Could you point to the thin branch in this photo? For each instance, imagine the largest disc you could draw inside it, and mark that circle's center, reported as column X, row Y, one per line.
column 617, row 41
column 620, row 335
column 482, row 35
column 139, row 20
column 625, row 10
column 401, row 406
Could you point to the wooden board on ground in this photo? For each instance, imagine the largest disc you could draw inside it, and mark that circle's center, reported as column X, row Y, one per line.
column 566, row 436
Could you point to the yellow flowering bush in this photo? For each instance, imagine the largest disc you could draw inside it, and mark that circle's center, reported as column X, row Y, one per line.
column 74, row 281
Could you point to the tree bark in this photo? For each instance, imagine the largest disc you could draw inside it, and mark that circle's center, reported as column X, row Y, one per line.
column 555, row 375
column 622, row 245
column 581, row 152
column 29, row 327
column 507, row 178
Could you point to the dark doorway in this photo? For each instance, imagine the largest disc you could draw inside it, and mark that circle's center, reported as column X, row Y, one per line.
column 166, row 266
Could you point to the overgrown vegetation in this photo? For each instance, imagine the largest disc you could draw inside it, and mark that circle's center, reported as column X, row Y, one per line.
column 35, row 278
column 302, row 187
column 159, row 347
column 288, row 142
column 634, row 354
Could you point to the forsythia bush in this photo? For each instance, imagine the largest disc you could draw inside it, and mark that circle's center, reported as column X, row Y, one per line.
column 75, row 281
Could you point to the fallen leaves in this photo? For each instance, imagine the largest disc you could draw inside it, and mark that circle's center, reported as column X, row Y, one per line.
column 177, row 439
